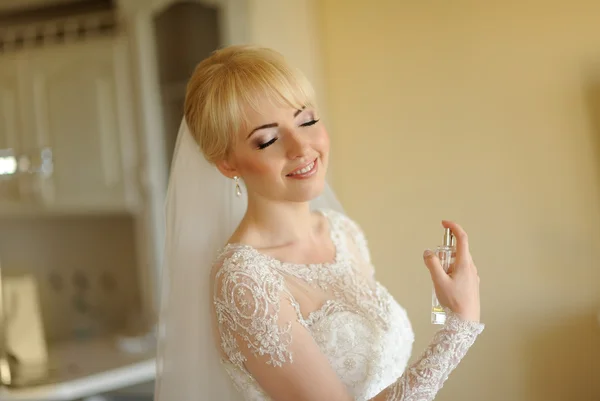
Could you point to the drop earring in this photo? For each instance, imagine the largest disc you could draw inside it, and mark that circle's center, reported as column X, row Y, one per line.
column 238, row 189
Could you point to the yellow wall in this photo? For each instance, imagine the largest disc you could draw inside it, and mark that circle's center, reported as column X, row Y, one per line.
column 479, row 112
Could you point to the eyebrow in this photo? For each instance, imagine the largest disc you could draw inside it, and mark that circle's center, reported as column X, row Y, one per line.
column 272, row 125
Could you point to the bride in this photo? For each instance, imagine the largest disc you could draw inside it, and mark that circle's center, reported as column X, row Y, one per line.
column 269, row 292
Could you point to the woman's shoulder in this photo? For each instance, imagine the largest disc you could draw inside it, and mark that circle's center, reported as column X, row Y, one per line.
column 240, row 260
column 241, row 277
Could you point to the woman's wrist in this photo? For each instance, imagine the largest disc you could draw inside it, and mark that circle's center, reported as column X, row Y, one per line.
column 465, row 316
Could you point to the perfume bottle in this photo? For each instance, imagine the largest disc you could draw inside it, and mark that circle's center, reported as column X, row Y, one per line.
column 446, row 253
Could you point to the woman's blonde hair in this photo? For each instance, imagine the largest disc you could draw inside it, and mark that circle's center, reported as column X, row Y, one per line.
column 231, row 79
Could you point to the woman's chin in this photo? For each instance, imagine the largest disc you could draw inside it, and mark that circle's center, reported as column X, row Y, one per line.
column 299, row 191
column 310, row 192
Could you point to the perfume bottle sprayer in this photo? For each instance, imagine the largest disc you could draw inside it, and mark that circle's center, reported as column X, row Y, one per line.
column 446, row 253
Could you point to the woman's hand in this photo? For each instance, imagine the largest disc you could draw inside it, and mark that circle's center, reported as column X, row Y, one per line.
column 459, row 288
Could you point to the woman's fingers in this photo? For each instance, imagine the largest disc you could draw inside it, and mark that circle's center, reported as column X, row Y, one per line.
column 462, row 240
column 438, row 275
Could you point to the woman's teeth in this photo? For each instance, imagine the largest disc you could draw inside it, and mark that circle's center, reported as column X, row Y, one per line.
column 304, row 170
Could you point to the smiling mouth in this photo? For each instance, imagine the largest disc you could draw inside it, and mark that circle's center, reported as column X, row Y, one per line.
column 304, row 170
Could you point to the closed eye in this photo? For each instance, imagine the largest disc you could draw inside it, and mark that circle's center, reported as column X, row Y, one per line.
column 269, row 143
column 264, row 145
column 309, row 123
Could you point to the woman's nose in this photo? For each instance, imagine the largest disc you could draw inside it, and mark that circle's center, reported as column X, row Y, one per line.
column 297, row 145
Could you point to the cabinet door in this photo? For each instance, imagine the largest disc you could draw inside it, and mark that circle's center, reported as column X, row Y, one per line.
column 74, row 107
column 11, row 128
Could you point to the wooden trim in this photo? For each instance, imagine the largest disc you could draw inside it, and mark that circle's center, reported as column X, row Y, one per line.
column 59, row 30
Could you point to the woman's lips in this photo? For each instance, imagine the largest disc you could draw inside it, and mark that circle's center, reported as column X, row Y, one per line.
column 306, row 171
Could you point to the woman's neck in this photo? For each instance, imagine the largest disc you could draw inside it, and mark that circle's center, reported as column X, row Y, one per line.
column 271, row 224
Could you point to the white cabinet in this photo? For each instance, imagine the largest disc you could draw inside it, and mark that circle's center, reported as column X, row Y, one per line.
column 72, row 104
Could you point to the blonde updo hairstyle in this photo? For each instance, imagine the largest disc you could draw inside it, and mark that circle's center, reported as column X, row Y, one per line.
column 228, row 81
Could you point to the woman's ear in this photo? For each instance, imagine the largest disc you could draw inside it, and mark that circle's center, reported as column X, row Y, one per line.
column 227, row 168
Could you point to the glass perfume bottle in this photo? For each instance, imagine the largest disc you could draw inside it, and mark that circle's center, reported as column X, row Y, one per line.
column 446, row 253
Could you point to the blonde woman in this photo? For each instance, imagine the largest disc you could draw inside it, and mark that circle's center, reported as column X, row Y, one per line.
column 269, row 290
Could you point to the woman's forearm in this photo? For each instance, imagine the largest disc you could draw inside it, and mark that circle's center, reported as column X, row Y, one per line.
column 423, row 379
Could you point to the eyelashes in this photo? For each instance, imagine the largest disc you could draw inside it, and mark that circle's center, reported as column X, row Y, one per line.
column 272, row 141
column 309, row 123
column 264, row 145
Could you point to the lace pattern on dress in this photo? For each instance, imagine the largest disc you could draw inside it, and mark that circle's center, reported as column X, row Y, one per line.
column 361, row 329
column 247, row 305
column 423, row 380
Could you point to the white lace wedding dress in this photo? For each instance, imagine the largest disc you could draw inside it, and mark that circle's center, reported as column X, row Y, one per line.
column 364, row 333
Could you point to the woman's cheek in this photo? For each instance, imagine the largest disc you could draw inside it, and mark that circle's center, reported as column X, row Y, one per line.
column 257, row 167
column 323, row 141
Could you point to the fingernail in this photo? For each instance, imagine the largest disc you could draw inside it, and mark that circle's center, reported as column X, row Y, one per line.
column 428, row 253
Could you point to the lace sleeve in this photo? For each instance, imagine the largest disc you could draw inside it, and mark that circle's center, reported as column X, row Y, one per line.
column 247, row 305
column 422, row 380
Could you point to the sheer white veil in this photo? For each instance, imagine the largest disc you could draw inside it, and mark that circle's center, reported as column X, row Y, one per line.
column 202, row 211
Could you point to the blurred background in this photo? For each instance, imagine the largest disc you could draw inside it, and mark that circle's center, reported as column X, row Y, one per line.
column 487, row 113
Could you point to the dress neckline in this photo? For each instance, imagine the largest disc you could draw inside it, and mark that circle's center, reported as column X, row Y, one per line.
column 334, row 236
